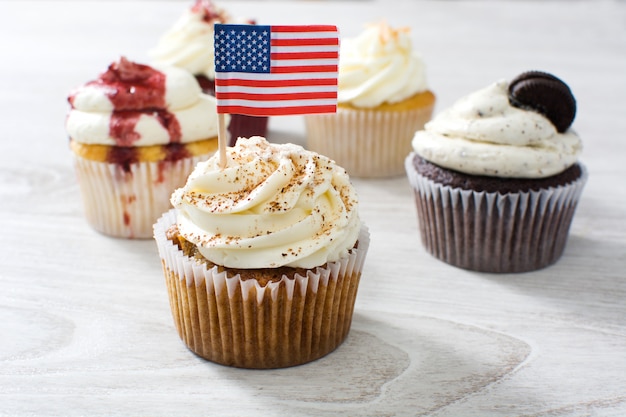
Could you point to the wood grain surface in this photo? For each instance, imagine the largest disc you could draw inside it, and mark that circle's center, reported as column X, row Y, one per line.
column 85, row 326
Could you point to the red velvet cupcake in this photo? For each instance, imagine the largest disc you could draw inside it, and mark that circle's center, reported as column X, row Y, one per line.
column 188, row 44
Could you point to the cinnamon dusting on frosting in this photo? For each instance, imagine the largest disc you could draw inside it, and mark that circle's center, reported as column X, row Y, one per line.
column 271, row 205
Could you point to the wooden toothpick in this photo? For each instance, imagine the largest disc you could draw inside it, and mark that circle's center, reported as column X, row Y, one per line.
column 222, row 141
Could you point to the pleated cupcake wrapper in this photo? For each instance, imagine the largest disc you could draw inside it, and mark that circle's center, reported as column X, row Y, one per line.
column 493, row 232
column 127, row 203
column 367, row 143
column 240, row 323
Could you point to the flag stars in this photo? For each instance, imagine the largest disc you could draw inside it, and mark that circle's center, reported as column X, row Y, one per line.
column 240, row 49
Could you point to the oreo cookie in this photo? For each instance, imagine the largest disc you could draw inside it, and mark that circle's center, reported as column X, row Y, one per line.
column 545, row 94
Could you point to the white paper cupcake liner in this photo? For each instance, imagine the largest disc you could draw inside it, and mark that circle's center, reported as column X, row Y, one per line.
column 493, row 232
column 240, row 323
column 367, row 143
column 126, row 204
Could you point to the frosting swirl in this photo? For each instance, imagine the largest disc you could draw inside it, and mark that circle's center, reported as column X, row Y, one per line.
column 188, row 44
column 483, row 134
column 379, row 66
column 272, row 205
column 132, row 104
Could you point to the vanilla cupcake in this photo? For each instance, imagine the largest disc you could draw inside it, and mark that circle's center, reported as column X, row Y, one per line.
column 496, row 176
column 263, row 257
column 383, row 98
column 136, row 133
column 188, row 44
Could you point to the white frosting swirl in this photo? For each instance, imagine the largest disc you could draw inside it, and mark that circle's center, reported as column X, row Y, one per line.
column 188, row 43
column 89, row 120
column 482, row 134
column 379, row 66
column 272, row 205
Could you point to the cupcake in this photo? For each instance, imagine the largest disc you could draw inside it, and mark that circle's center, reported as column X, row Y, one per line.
column 136, row 133
column 383, row 98
column 188, row 44
column 496, row 177
column 262, row 258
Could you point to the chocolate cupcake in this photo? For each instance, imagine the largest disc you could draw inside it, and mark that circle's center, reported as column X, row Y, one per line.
column 188, row 44
column 496, row 177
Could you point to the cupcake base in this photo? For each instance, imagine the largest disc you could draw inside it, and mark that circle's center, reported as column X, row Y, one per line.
column 492, row 231
column 237, row 322
column 369, row 143
column 125, row 201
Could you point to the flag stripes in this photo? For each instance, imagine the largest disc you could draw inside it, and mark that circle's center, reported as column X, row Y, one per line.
column 276, row 70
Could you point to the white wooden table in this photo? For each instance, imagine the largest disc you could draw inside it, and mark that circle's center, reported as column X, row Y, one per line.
column 85, row 326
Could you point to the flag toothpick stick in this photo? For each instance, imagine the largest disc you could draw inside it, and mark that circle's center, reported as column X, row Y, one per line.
column 221, row 139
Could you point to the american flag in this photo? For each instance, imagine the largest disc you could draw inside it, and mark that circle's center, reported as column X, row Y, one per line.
column 276, row 70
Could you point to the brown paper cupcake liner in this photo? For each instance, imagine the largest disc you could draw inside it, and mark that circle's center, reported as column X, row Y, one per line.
column 367, row 143
column 493, row 232
column 126, row 203
column 240, row 323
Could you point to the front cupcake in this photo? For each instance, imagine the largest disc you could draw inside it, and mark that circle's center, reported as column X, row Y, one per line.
column 383, row 98
column 497, row 178
column 263, row 257
column 188, row 44
column 136, row 133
